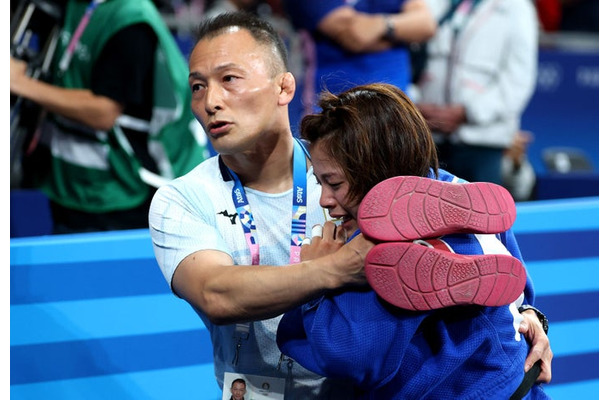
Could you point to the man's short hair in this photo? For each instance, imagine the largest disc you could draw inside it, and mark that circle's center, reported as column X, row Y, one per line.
column 238, row 380
column 262, row 31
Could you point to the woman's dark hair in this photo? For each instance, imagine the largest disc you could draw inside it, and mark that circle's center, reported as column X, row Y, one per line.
column 373, row 132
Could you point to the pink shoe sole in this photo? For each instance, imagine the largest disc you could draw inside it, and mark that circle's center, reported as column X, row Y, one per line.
column 419, row 278
column 410, row 207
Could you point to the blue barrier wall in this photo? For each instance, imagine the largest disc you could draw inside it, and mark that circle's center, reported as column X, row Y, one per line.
column 564, row 110
column 92, row 318
column 563, row 114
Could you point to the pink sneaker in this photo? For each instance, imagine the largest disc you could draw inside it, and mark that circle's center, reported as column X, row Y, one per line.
column 411, row 207
column 419, row 278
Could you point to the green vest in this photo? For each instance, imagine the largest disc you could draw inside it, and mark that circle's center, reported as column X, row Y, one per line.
column 99, row 172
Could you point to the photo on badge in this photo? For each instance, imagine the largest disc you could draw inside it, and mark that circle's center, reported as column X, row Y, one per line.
column 252, row 387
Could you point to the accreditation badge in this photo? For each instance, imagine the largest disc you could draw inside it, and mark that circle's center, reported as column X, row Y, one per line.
column 252, row 387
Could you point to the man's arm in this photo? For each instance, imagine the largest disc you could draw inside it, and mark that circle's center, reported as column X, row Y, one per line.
column 362, row 32
column 97, row 112
column 228, row 293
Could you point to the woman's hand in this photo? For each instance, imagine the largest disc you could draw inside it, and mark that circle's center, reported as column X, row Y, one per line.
column 532, row 329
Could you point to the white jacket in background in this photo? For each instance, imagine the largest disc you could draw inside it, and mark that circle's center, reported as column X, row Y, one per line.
column 489, row 66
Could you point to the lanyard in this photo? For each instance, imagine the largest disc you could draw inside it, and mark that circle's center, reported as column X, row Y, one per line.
column 299, row 207
column 356, row 233
column 461, row 9
column 84, row 21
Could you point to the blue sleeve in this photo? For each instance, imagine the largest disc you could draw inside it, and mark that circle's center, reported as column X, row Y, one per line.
column 308, row 14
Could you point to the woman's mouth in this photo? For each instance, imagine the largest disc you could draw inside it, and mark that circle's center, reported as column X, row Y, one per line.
column 349, row 224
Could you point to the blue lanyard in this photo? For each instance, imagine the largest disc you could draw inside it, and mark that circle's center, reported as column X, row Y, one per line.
column 299, row 207
column 356, row 233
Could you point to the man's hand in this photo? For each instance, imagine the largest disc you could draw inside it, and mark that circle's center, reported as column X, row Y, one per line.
column 347, row 263
column 18, row 70
column 325, row 240
column 531, row 328
column 443, row 118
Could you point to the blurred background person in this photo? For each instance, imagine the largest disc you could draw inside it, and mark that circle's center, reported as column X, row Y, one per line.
column 518, row 175
column 479, row 76
column 361, row 41
column 118, row 118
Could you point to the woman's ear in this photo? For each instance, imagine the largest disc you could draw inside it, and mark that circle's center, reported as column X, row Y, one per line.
column 287, row 85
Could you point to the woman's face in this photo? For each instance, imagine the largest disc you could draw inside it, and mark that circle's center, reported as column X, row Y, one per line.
column 334, row 188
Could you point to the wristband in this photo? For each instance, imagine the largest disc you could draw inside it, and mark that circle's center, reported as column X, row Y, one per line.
column 389, row 29
column 543, row 320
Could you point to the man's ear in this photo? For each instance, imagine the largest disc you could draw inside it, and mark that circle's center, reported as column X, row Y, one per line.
column 287, row 85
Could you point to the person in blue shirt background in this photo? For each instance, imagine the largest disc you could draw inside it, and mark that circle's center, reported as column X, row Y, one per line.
column 361, row 41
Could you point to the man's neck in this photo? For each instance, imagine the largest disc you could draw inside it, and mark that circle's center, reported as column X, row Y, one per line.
column 267, row 169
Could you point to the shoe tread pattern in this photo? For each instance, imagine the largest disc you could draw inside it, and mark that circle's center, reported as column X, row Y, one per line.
column 409, row 208
column 415, row 277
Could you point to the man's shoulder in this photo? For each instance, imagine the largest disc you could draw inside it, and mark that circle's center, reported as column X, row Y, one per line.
column 204, row 177
column 201, row 192
column 207, row 171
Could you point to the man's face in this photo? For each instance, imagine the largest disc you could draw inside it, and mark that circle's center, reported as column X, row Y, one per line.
column 234, row 96
column 238, row 390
